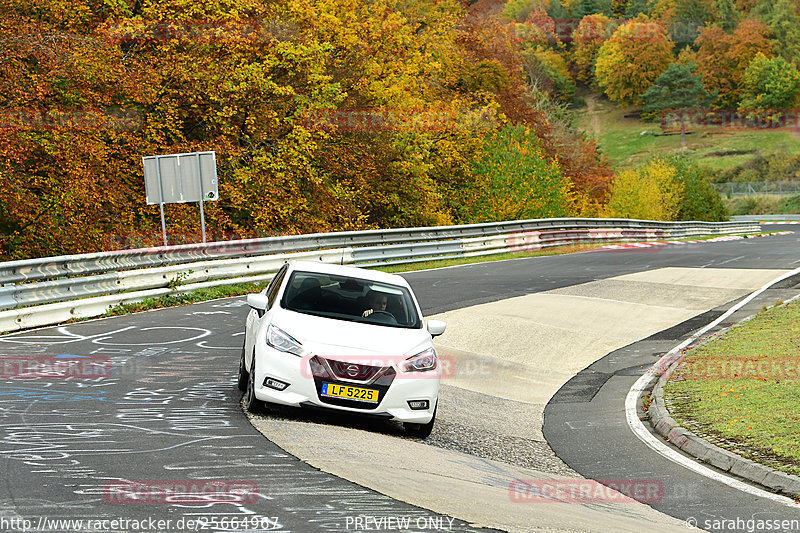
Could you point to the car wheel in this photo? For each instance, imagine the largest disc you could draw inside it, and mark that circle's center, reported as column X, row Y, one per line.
column 420, row 431
column 243, row 374
column 251, row 403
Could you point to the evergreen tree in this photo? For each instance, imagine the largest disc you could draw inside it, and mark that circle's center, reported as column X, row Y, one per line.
column 726, row 16
column 638, row 7
column 556, row 10
column 678, row 88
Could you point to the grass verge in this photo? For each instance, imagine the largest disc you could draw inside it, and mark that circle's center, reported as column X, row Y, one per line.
column 740, row 391
column 767, row 204
column 195, row 296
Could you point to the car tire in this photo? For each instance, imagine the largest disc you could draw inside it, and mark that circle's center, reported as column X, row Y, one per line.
column 251, row 403
column 420, row 431
column 244, row 375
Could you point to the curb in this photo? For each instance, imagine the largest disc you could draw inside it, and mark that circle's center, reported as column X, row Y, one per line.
column 701, row 449
column 658, row 244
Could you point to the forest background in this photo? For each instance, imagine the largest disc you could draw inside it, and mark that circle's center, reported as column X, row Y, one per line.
column 333, row 115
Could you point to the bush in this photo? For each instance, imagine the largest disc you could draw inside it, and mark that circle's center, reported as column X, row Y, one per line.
column 651, row 192
column 778, row 166
column 700, row 201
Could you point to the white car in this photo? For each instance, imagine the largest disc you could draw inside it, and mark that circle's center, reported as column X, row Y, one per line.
column 342, row 338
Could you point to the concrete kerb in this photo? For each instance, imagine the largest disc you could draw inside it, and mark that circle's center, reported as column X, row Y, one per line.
column 692, row 444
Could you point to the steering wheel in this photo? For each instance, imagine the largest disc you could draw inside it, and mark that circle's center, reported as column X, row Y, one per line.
column 386, row 316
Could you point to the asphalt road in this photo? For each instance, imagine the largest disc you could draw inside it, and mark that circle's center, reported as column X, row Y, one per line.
column 166, row 408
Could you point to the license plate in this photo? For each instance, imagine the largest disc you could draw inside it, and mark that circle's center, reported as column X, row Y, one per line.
column 332, row 390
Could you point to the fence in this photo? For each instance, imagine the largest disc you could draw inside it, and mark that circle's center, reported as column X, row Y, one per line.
column 753, row 188
column 51, row 290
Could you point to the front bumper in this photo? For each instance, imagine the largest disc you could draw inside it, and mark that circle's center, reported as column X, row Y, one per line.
column 303, row 388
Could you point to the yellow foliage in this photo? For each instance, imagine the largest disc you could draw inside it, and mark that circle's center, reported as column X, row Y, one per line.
column 651, row 192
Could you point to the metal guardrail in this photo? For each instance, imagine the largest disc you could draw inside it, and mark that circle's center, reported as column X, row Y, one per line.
column 54, row 289
column 753, row 188
column 757, row 218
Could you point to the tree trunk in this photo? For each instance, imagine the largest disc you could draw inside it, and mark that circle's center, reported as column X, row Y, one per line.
column 683, row 130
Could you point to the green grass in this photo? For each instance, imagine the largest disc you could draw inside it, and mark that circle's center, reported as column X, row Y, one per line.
column 767, row 204
column 741, row 390
column 621, row 139
column 197, row 295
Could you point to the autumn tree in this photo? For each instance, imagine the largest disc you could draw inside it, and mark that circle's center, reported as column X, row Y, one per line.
column 770, row 83
column 722, row 58
column 515, row 179
column 631, row 60
column 547, row 71
column 588, row 37
column 537, row 28
column 579, row 158
column 652, row 192
column 324, row 114
column 520, row 9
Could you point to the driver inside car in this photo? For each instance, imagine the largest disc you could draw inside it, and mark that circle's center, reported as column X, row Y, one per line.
column 376, row 301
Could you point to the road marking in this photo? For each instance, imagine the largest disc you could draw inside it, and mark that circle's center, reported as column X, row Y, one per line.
column 734, row 259
column 639, row 429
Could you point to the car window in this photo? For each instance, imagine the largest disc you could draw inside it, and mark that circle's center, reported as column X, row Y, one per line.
column 351, row 299
column 272, row 290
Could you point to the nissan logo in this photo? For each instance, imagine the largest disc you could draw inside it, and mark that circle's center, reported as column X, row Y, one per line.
column 352, row 370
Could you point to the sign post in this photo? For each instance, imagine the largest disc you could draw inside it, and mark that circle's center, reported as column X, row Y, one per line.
column 181, row 178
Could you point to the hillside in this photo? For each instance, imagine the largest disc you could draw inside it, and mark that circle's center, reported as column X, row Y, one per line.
column 628, row 141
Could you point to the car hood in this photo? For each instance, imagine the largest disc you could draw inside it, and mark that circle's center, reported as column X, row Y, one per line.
column 326, row 336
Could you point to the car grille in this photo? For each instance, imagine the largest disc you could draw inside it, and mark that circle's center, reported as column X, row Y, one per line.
column 327, row 370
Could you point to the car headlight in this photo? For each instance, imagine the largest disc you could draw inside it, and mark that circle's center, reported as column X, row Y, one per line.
column 422, row 362
column 280, row 340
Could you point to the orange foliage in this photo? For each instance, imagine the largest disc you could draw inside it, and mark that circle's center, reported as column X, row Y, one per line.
column 722, row 58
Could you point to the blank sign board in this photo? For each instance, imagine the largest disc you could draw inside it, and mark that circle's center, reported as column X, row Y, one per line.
column 182, row 177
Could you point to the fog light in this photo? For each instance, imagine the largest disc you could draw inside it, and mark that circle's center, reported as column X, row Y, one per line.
column 418, row 405
column 275, row 384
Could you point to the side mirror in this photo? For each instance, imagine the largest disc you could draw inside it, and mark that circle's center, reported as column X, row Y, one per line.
column 259, row 302
column 436, row 327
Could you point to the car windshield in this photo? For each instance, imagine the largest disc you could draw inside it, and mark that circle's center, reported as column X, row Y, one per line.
column 352, row 299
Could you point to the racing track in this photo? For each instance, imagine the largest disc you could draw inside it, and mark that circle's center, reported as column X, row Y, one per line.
column 169, row 410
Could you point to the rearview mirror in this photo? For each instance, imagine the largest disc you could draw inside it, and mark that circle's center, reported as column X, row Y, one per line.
column 436, row 327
